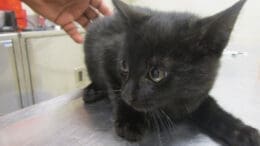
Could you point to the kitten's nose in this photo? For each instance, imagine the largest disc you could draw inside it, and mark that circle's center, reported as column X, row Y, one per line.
column 129, row 92
column 128, row 97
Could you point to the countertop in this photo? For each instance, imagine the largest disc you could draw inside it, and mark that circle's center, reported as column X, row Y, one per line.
column 66, row 121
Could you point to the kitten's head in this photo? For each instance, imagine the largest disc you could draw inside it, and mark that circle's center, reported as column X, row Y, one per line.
column 171, row 59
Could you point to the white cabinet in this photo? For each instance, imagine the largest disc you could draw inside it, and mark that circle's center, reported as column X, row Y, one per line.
column 55, row 63
column 10, row 99
column 37, row 66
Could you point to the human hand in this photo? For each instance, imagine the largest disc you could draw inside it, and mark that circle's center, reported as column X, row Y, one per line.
column 66, row 12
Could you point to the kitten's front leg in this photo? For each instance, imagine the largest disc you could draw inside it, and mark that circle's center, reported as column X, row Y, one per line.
column 222, row 126
column 93, row 93
column 129, row 123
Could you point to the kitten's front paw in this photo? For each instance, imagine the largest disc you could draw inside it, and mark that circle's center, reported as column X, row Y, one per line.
column 245, row 136
column 131, row 131
column 92, row 94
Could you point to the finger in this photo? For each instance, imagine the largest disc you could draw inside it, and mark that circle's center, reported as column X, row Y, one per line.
column 72, row 31
column 83, row 21
column 91, row 14
column 101, row 7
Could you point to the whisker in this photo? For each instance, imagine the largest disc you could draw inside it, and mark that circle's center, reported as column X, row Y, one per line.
column 160, row 120
column 157, row 126
column 169, row 121
column 187, row 108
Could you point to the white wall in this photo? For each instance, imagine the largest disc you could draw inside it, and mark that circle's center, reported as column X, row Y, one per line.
column 247, row 24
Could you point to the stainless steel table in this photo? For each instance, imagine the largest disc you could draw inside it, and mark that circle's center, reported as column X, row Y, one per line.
column 66, row 121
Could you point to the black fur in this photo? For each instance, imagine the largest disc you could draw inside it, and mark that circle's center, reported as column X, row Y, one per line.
column 122, row 51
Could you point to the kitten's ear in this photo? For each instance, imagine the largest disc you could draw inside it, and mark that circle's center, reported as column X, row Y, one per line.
column 130, row 14
column 215, row 30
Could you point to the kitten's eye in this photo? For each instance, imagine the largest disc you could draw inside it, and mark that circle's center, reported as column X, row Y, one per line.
column 156, row 74
column 124, row 67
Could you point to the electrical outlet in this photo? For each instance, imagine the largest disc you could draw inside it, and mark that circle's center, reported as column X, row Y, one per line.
column 80, row 77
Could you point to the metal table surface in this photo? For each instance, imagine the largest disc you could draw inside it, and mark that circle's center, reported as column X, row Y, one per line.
column 67, row 121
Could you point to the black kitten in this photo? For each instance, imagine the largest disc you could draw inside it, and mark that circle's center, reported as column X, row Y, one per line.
column 147, row 61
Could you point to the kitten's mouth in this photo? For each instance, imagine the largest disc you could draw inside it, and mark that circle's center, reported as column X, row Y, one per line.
column 143, row 106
